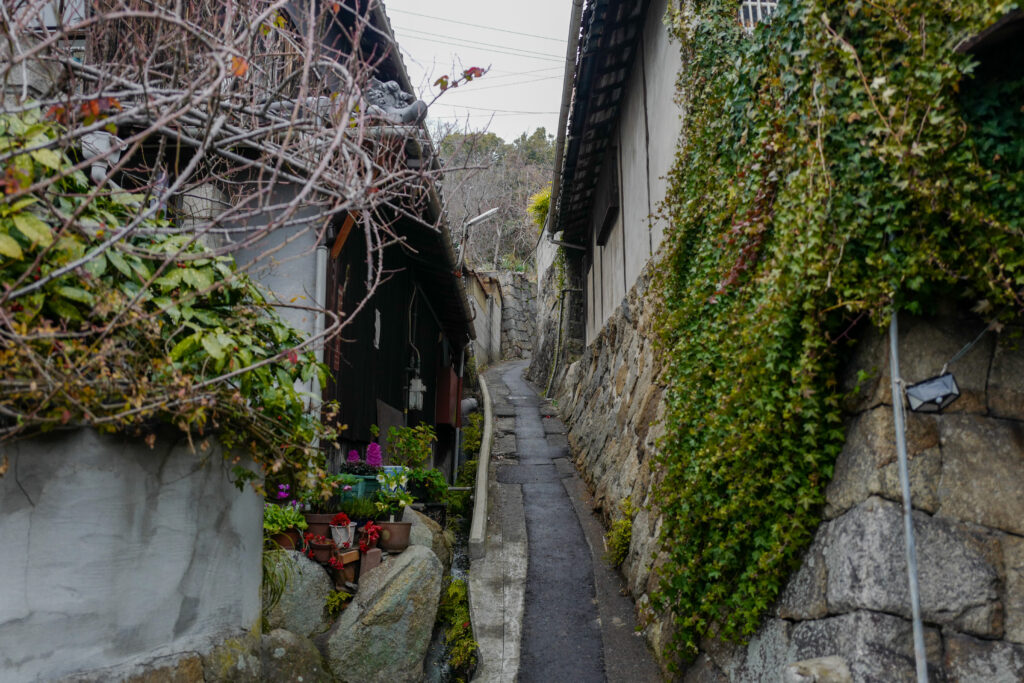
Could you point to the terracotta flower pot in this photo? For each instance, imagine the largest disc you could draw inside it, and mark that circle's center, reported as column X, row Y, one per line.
column 319, row 524
column 394, row 536
column 288, row 540
column 322, row 551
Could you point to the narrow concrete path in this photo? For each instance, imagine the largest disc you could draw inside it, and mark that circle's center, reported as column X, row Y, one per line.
column 571, row 620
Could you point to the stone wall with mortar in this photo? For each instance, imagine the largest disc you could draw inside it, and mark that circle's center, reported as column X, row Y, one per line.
column 849, row 598
column 115, row 553
column 560, row 330
column 518, row 313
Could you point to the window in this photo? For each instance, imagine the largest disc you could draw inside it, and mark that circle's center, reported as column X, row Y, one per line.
column 754, row 11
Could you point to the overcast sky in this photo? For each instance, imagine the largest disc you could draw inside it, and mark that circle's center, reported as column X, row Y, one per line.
column 523, row 41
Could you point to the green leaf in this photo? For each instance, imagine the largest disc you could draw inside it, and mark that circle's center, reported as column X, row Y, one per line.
column 63, row 309
column 18, row 205
column 198, row 278
column 34, row 229
column 9, row 247
column 117, row 260
column 96, row 265
column 213, row 346
column 170, row 279
column 76, row 294
column 183, row 347
column 48, row 158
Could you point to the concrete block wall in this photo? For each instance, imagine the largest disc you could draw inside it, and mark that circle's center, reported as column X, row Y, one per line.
column 849, row 598
column 115, row 553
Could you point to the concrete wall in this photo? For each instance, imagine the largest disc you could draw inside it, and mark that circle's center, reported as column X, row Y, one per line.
column 114, row 552
column 486, row 308
column 849, row 597
column 645, row 144
column 284, row 262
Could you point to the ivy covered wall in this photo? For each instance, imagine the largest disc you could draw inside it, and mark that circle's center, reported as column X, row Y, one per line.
column 840, row 162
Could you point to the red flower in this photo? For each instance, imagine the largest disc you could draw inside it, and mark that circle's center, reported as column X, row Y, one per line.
column 340, row 519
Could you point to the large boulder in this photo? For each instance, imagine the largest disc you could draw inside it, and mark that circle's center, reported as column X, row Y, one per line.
column 301, row 607
column 235, row 660
column 287, row 656
column 384, row 634
column 428, row 533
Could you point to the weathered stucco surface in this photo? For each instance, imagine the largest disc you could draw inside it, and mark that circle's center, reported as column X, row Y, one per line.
column 115, row 552
column 849, row 598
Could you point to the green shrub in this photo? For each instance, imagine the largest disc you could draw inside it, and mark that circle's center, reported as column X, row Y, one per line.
column 472, row 433
column 411, row 446
column 620, row 535
column 335, row 603
column 427, row 486
column 459, row 502
column 453, row 614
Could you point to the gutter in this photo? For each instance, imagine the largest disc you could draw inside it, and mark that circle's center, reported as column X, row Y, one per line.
column 478, row 527
column 563, row 113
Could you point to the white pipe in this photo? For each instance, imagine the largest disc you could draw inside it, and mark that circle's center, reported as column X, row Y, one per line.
column 320, row 294
column 908, row 522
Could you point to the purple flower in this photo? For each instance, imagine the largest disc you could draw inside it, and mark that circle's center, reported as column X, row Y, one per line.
column 282, row 491
column 353, row 456
column 373, row 455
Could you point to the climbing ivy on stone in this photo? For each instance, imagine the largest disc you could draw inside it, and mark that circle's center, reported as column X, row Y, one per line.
column 834, row 164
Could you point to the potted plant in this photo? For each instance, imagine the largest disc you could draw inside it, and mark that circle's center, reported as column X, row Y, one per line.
column 363, row 474
column 391, row 500
column 319, row 548
column 320, row 503
column 359, row 510
column 282, row 524
column 343, row 531
column 369, row 535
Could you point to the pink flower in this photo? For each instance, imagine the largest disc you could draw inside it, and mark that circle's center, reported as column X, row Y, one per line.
column 353, row 456
column 373, row 455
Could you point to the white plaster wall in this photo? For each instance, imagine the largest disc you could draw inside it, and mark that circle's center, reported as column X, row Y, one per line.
column 663, row 63
column 114, row 553
column 544, row 257
column 494, row 315
column 285, row 261
column 642, row 170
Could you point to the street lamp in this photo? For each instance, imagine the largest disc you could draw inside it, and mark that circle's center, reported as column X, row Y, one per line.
column 465, row 235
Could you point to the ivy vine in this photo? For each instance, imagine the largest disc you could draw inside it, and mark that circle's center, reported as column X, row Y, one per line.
column 835, row 164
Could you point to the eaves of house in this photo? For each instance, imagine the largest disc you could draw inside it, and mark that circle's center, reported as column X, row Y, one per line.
column 608, row 45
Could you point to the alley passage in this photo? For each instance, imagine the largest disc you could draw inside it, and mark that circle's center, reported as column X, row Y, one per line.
column 577, row 627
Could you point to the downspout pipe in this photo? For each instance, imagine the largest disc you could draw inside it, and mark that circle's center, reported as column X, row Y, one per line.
column 571, row 48
column 910, row 546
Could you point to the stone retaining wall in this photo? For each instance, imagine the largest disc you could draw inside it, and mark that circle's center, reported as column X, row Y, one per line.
column 849, row 597
column 518, row 314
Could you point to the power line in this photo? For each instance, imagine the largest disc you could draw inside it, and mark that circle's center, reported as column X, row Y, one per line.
column 477, row 42
column 504, row 111
column 510, row 74
column 466, row 23
column 476, row 88
column 467, row 115
column 488, row 47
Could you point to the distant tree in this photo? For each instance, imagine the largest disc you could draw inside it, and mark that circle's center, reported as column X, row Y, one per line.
column 482, row 172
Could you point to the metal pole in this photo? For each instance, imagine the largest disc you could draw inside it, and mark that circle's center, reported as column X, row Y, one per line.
column 908, row 523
